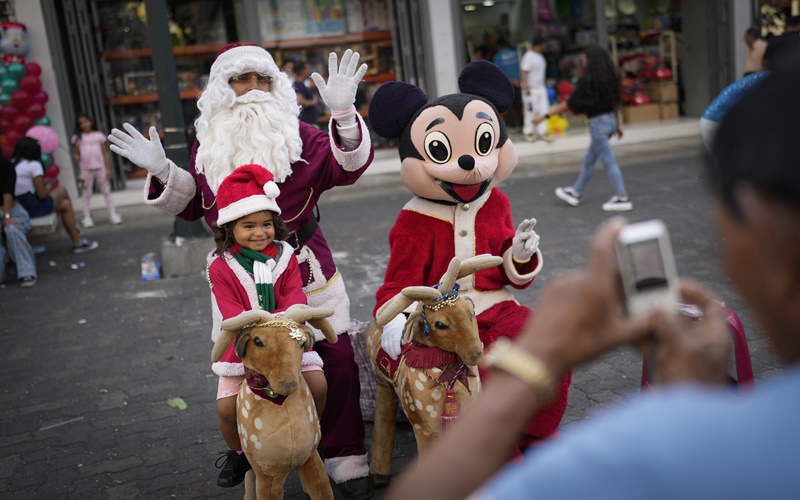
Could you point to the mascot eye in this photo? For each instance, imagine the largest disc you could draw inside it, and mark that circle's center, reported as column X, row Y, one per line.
column 258, row 342
column 440, row 326
column 438, row 147
column 484, row 139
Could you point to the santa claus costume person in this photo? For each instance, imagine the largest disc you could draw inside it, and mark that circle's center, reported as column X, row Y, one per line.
column 249, row 114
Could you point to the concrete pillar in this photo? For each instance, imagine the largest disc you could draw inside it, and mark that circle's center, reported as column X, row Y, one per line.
column 741, row 20
column 442, row 38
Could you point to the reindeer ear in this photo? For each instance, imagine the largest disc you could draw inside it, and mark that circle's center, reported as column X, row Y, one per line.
column 412, row 326
column 325, row 327
column 240, row 347
column 485, row 79
column 393, row 105
column 308, row 335
column 222, row 343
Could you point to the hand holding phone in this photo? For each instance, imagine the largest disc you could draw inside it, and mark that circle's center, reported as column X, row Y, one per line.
column 647, row 268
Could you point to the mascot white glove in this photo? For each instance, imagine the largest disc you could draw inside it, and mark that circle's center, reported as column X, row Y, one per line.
column 392, row 336
column 339, row 93
column 525, row 242
column 147, row 154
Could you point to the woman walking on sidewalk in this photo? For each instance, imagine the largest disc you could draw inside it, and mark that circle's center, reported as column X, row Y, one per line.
column 597, row 96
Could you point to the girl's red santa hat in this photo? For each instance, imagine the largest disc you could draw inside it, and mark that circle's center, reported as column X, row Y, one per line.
column 247, row 190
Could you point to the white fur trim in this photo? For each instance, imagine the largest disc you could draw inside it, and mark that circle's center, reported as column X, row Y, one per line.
column 342, row 469
column 464, row 220
column 246, row 56
column 225, row 369
column 511, row 270
column 326, row 293
column 246, row 206
column 178, row 191
column 356, row 158
column 311, row 358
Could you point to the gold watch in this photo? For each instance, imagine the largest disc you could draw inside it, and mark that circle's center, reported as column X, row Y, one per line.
column 506, row 356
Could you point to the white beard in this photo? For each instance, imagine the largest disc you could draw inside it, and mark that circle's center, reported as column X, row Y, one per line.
column 257, row 129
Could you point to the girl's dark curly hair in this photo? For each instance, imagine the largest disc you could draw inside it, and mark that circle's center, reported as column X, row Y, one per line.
column 223, row 236
column 601, row 75
column 27, row 148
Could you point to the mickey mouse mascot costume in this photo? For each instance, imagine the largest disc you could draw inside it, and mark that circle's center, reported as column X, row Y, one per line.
column 454, row 152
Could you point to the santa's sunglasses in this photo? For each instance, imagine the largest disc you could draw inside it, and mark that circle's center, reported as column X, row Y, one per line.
column 249, row 77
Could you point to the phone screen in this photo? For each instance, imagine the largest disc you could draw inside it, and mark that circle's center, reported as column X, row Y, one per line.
column 647, row 264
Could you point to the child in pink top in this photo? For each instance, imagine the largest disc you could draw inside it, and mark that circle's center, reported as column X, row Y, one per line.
column 89, row 150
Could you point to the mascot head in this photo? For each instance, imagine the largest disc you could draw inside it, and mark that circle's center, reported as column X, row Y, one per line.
column 453, row 148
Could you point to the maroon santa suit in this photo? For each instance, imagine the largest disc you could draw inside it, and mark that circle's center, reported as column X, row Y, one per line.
column 427, row 235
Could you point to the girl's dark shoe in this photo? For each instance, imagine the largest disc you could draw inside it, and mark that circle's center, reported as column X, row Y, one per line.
column 234, row 467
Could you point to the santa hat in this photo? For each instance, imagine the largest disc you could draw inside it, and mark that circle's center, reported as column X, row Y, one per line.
column 237, row 58
column 247, row 190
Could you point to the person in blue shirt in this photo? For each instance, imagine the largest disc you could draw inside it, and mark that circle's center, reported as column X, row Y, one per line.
column 690, row 440
column 507, row 59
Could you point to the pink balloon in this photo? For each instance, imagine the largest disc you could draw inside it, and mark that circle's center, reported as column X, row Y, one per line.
column 41, row 97
column 30, row 84
column 31, row 68
column 35, row 110
column 47, row 137
column 20, row 99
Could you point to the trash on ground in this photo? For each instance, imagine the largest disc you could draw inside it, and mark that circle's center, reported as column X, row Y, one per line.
column 151, row 267
column 177, row 403
column 78, row 265
column 81, row 321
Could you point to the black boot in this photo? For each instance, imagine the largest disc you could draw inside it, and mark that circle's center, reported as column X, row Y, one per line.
column 233, row 469
column 357, row 489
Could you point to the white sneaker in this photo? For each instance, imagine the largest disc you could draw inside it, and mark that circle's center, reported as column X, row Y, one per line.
column 530, row 137
column 87, row 222
column 116, row 219
column 617, row 204
column 569, row 195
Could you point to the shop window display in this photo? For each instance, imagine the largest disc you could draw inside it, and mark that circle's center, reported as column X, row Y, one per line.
column 306, row 31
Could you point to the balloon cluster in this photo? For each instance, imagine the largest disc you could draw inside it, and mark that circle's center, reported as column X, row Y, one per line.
column 22, row 108
column 557, row 124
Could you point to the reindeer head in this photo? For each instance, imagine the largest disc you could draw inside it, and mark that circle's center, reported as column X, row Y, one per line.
column 273, row 345
column 443, row 318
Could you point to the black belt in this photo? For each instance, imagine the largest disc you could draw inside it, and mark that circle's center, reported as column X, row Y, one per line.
column 304, row 233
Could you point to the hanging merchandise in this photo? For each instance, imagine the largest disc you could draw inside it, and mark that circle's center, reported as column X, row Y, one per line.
column 545, row 11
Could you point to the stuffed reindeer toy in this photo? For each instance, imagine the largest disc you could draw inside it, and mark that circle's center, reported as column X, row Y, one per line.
column 433, row 375
column 278, row 422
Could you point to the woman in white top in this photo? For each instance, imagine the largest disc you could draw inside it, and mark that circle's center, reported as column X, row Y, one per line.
column 40, row 198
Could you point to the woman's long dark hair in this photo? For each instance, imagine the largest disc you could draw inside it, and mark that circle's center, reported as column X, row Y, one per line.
column 223, row 236
column 27, row 148
column 78, row 132
column 601, row 76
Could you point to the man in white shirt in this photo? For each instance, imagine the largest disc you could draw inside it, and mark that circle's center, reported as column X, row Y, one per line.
column 534, row 93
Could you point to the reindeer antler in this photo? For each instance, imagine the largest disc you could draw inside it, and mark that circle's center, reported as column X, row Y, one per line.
column 231, row 327
column 315, row 316
column 450, row 276
column 478, row 263
column 392, row 308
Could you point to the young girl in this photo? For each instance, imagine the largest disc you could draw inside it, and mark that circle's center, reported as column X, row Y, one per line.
column 39, row 198
column 597, row 96
column 252, row 267
column 89, row 150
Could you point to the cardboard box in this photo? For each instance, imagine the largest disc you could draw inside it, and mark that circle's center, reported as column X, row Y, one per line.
column 661, row 91
column 669, row 111
column 641, row 114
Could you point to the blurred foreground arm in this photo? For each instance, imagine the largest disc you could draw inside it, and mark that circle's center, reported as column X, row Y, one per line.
column 579, row 317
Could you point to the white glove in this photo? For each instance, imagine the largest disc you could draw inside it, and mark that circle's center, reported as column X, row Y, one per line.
column 525, row 242
column 392, row 336
column 148, row 155
column 339, row 93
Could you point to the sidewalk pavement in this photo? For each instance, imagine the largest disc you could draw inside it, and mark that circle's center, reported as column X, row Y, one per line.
column 91, row 355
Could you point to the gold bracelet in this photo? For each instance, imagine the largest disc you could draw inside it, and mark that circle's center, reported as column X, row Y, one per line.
column 509, row 357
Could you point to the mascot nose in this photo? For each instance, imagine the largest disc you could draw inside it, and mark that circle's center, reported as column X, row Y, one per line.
column 466, row 162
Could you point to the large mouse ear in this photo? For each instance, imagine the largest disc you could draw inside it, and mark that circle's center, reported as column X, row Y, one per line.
column 485, row 79
column 392, row 106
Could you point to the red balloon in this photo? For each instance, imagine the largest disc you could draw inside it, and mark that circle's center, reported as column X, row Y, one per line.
column 9, row 112
column 8, row 150
column 40, row 97
column 35, row 110
column 12, row 136
column 20, row 98
column 52, row 171
column 6, row 124
column 22, row 123
column 31, row 68
column 30, row 84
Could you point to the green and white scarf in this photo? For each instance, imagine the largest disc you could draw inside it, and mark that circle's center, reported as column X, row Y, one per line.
column 257, row 264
